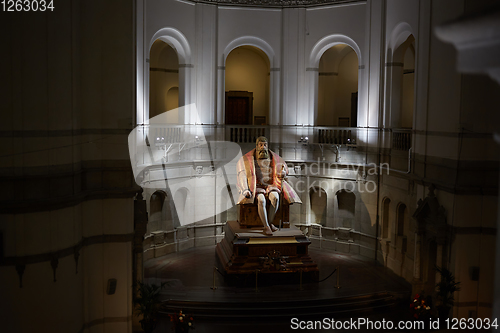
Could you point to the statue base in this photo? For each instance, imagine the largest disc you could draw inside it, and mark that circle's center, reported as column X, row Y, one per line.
column 249, row 216
column 247, row 251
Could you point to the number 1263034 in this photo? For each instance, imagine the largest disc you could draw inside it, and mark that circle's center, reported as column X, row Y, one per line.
column 27, row 5
column 471, row 323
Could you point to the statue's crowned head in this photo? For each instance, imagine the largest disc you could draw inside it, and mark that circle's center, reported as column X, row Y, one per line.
column 262, row 147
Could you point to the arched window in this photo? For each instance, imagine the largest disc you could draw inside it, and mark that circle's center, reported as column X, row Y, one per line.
column 183, row 210
column 317, row 201
column 156, row 211
column 163, row 79
column 402, row 82
column 227, row 209
column 346, row 208
column 385, row 217
column 247, row 86
column 408, row 85
column 338, row 87
column 401, row 218
column 172, row 99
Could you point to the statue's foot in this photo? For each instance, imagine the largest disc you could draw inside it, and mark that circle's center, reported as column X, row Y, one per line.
column 267, row 231
column 273, row 228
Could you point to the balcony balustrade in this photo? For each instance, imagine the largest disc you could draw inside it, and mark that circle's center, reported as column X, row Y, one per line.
column 334, row 135
column 401, row 139
column 245, row 133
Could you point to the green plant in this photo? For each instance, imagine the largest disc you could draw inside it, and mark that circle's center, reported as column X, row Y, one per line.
column 148, row 303
column 446, row 287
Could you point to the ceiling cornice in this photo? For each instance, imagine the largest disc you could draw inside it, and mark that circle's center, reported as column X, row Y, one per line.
column 277, row 3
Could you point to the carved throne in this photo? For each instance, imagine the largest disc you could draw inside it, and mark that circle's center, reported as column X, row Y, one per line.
column 248, row 216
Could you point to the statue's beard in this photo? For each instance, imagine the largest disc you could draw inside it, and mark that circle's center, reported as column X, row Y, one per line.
column 263, row 153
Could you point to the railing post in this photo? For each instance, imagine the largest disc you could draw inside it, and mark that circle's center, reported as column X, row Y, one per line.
column 300, row 284
column 337, row 285
column 256, row 279
column 214, row 287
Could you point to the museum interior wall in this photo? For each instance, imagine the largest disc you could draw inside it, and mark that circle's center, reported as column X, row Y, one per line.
column 67, row 204
column 390, row 148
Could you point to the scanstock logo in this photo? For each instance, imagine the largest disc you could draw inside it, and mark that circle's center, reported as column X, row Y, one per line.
column 198, row 175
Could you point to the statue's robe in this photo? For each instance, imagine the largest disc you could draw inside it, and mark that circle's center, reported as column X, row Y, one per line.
column 247, row 179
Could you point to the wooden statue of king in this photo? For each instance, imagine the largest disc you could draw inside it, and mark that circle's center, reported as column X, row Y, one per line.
column 261, row 175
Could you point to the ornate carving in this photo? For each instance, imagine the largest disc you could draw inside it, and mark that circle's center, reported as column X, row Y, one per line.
column 431, row 218
column 275, row 261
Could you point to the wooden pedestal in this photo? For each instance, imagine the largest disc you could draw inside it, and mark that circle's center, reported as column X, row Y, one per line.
column 248, row 216
column 244, row 251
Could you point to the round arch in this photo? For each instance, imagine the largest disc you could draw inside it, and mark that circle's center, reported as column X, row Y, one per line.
column 252, row 41
column 180, row 44
column 273, row 81
column 313, row 64
column 175, row 39
column 386, row 206
column 399, row 113
column 156, row 210
column 182, row 201
column 228, row 211
column 326, row 42
column 346, row 208
column 399, row 35
column 318, row 205
column 401, row 216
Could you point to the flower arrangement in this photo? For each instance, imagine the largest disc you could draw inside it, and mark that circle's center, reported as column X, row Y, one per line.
column 182, row 322
column 419, row 308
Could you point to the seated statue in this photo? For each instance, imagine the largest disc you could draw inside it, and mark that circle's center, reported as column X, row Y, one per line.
column 261, row 175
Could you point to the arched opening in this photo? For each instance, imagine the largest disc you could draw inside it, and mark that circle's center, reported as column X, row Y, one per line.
column 408, row 85
column 346, row 208
column 163, row 80
column 317, row 201
column 228, row 210
column 184, row 211
column 403, row 84
column 172, row 99
column 401, row 218
column 385, row 217
column 247, row 86
column 338, row 87
column 156, row 211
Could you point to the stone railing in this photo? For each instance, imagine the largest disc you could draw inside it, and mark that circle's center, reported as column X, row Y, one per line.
column 336, row 135
column 340, row 239
column 245, row 133
column 401, row 139
column 163, row 242
column 164, row 135
column 159, row 134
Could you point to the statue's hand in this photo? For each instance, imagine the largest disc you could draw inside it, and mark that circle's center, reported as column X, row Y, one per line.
column 247, row 193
